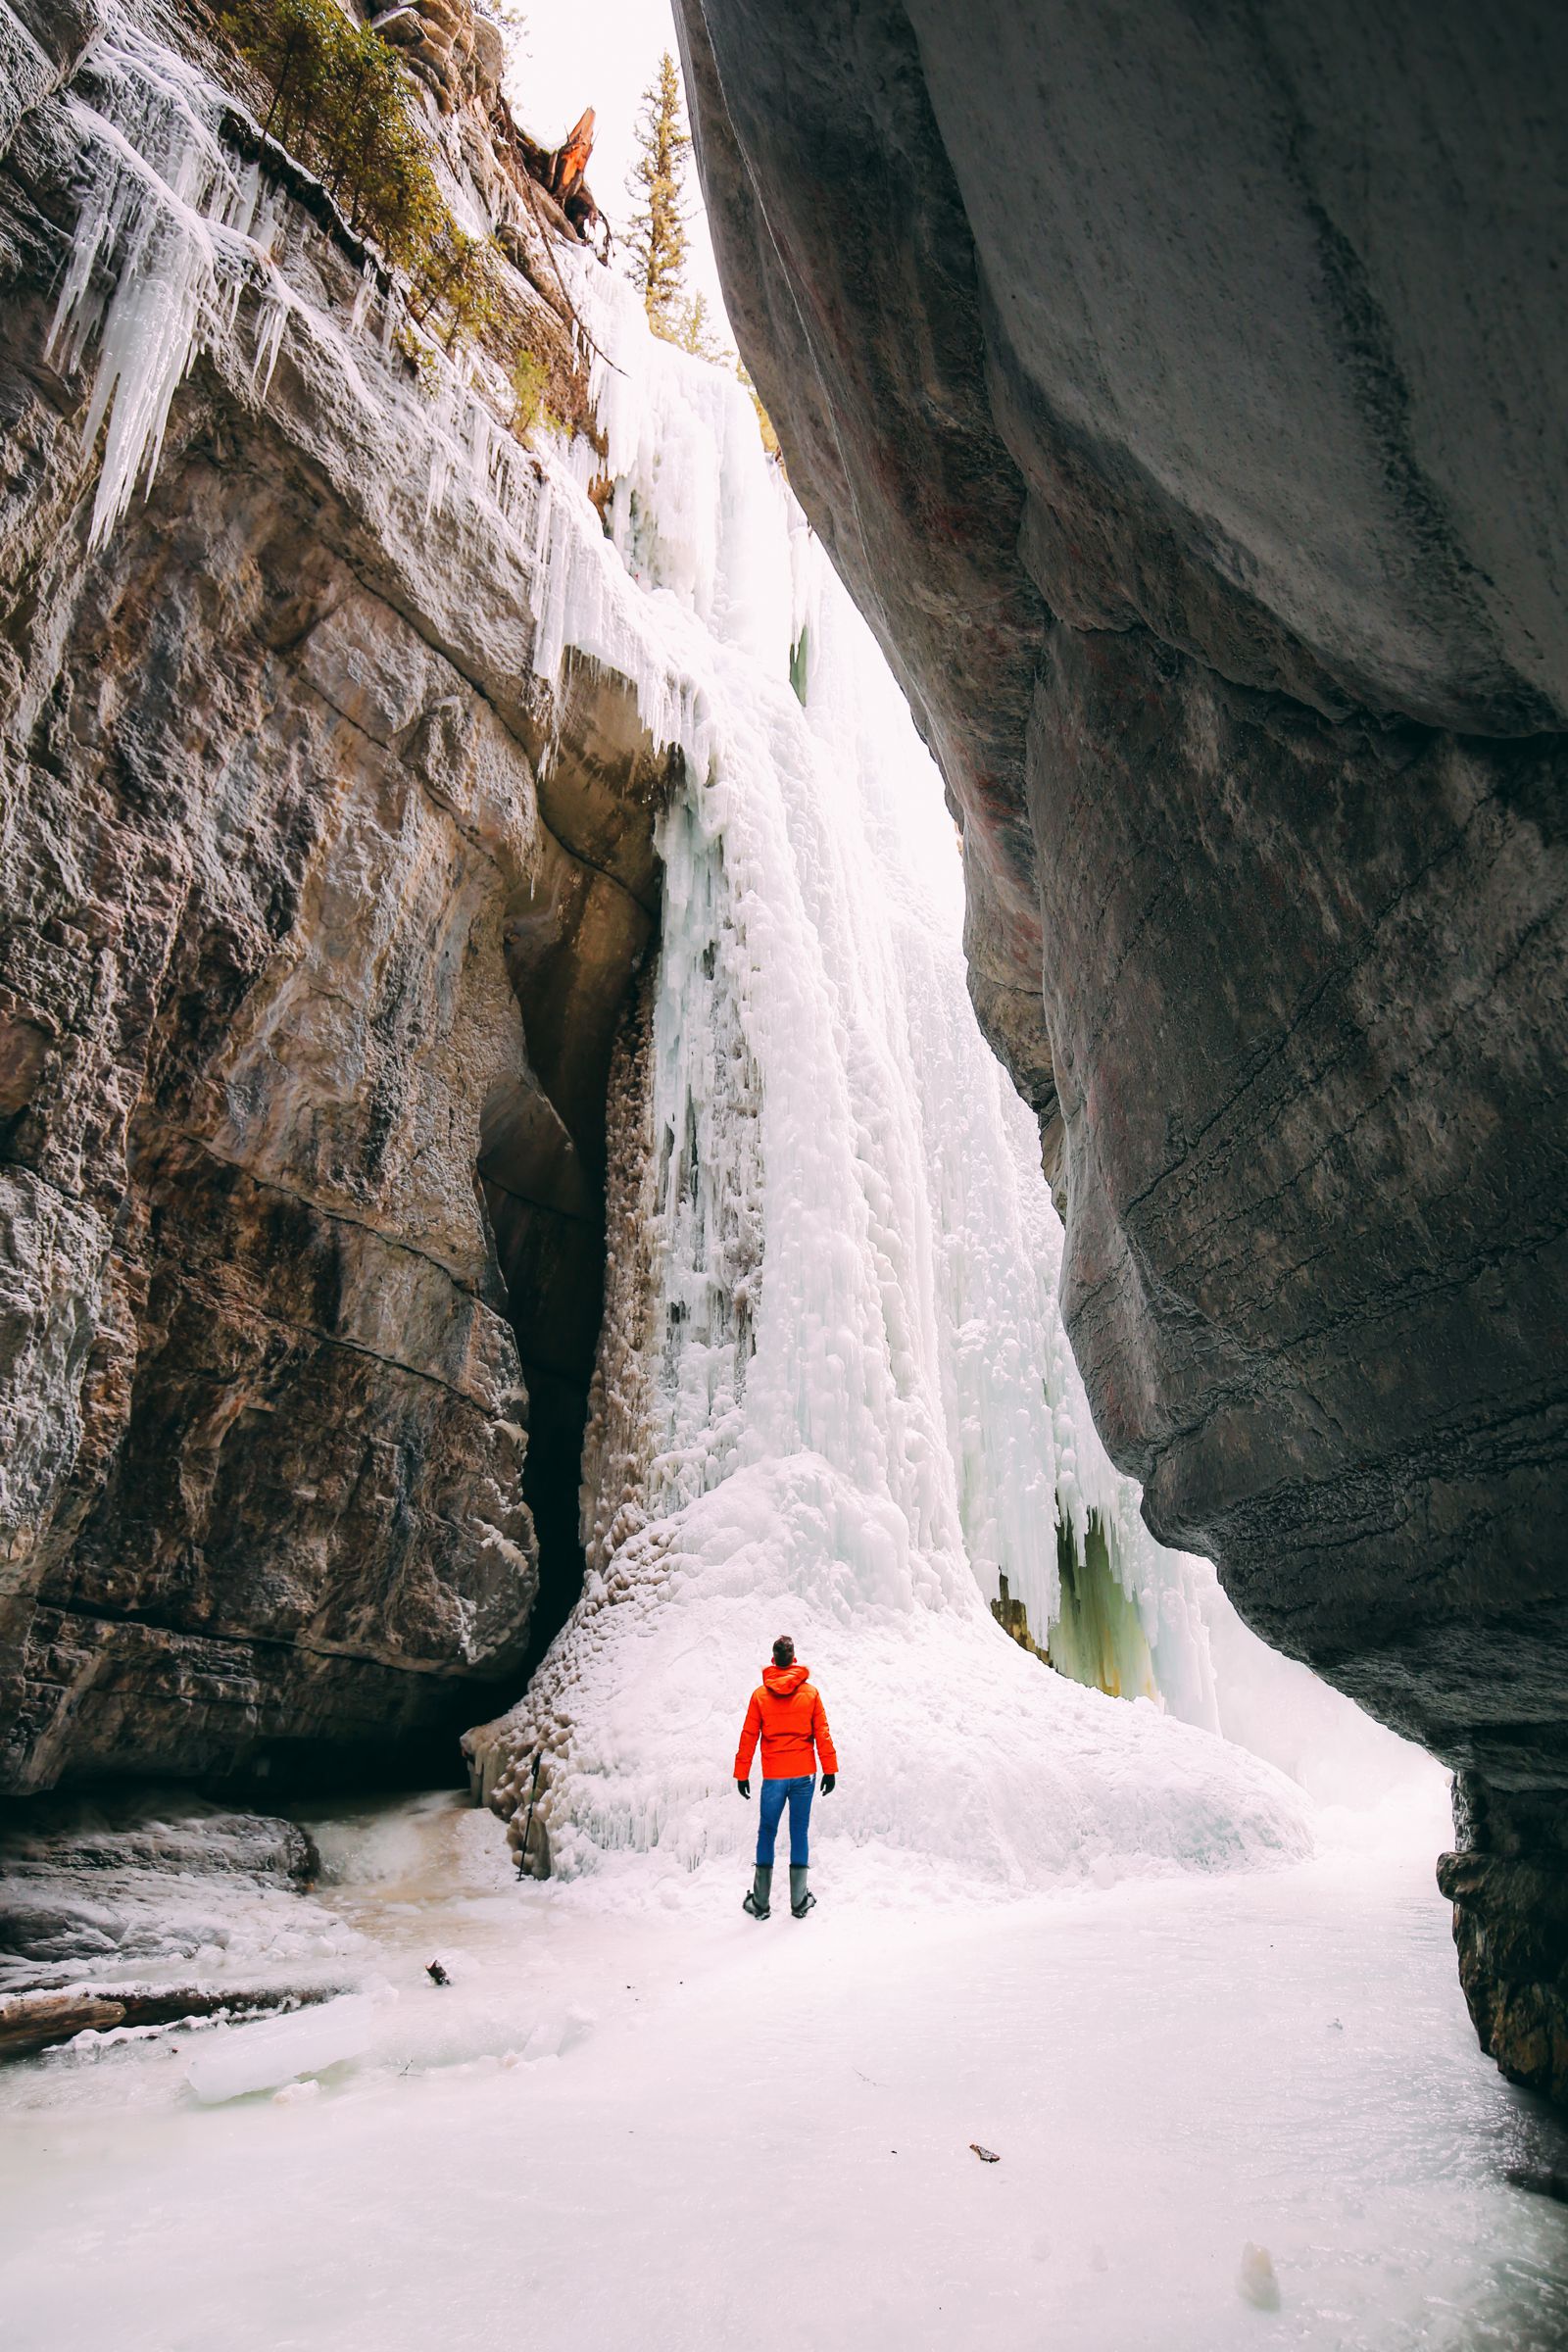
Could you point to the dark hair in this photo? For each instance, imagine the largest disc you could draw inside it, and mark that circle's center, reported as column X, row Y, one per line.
column 783, row 1651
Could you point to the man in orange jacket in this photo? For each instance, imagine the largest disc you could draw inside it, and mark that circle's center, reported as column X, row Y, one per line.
column 788, row 1716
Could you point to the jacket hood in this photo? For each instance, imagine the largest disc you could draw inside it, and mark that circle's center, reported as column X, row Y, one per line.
column 785, row 1681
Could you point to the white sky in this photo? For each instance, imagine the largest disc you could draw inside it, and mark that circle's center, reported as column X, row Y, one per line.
column 604, row 55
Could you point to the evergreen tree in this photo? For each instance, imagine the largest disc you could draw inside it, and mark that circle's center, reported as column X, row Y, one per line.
column 693, row 332
column 658, row 238
column 512, row 18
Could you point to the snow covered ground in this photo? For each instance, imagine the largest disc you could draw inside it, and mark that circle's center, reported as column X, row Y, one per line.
column 760, row 2134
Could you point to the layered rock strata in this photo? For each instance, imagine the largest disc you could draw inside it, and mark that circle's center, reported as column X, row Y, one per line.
column 104, row 1890
column 1180, row 397
column 317, row 909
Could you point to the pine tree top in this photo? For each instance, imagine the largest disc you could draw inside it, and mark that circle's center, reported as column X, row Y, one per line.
column 657, row 242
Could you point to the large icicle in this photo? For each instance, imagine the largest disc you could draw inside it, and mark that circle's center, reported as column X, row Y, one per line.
column 162, row 252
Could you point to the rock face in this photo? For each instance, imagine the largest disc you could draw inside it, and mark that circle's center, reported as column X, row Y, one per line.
column 317, row 910
column 138, row 1879
column 1179, row 396
column 1508, row 1885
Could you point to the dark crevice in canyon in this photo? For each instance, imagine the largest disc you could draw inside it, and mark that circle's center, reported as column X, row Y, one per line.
column 572, row 946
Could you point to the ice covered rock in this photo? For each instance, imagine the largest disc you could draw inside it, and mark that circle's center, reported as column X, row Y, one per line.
column 134, row 1878
column 298, row 834
column 169, row 1830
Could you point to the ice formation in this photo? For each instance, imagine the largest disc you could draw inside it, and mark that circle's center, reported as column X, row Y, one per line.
column 173, row 228
column 819, row 1090
column 834, row 1394
column 238, row 2060
column 181, row 249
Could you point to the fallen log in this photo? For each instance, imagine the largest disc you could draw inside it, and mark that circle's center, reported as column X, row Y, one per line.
column 36, row 2021
column 31, row 2021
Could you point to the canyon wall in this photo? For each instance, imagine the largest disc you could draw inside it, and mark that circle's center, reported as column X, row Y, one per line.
column 316, row 912
column 1179, row 396
column 1181, row 401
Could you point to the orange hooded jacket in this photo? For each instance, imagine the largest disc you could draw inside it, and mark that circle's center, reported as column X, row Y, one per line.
column 788, row 1714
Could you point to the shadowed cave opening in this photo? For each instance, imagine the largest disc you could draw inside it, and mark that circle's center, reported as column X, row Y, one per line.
column 544, row 1201
column 579, row 929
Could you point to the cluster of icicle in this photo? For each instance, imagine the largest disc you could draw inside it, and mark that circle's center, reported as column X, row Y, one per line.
column 172, row 231
column 179, row 251
column 834, row 1395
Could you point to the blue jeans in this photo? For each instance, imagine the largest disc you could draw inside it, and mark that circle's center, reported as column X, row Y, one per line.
column 776, row 1793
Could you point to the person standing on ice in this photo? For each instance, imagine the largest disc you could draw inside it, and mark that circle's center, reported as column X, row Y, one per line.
column 786, row 1714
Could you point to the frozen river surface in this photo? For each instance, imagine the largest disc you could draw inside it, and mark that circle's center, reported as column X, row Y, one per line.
column 760, row 2134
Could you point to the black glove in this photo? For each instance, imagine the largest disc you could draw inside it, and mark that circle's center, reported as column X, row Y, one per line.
column 744, row 1787
column 828, row 1778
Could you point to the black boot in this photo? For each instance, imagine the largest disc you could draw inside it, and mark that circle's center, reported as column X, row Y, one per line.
column 755, row 1898
column 802, row 1899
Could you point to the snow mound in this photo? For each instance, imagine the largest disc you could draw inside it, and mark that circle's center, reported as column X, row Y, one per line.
column 958, row 1749
column 238, row 2060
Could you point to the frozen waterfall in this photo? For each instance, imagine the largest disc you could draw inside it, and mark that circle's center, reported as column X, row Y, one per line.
column 834, row 1394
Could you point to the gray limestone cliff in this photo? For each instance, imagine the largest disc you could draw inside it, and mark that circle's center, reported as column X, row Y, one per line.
column 1179, row 393
column 317, row 909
